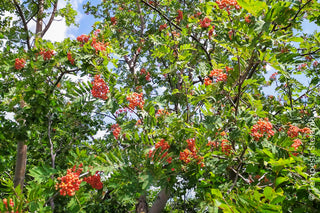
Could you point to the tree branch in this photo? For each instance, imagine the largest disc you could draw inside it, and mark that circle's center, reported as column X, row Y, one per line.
column 24, row 22
column 160, row 202
column 54, row 10
column 179, row 28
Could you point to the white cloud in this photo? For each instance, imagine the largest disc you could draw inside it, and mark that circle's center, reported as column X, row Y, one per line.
column 58, row 29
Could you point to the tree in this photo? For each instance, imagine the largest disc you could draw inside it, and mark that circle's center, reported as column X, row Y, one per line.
column 180, row 88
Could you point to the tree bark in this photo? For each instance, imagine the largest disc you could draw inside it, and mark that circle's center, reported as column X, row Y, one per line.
column 21, row 164
column 40, row 18
column 142, row 206
column 160, row 201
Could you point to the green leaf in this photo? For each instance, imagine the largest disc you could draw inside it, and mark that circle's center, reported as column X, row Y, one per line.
column 268, row 192
column 41, row 173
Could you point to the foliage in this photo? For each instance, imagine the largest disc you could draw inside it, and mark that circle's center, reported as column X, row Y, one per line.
column 182, row 90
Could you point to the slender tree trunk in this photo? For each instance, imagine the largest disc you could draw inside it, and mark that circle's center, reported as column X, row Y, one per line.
column 39, row 18
column 21, row 164
column 161, row 201
column 142, row 206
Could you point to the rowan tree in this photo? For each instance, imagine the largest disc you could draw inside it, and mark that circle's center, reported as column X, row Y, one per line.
column 207, row 106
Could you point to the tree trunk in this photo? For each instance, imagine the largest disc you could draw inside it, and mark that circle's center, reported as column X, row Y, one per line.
column 160, row 202
column 40, row 17
column 142, row 206
column 21, row 164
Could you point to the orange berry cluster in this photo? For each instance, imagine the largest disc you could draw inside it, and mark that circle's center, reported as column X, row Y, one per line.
column 19, row 63
column 225, row 147
column 161, row 112
column 164, row 147
column 227, row 4
column 97, row 45
column 135, row 99
column 46, row 54
column 94, row 181
column 219, row 74
column 207, row 81
column 99, row 88
column 294, row 131
column 116, row 129
column 262, row 126
column 70, row 58
column 296, row 144
column 70, row 183
column 191, row 152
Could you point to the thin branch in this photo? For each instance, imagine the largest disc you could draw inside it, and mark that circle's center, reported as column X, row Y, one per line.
column 293, row 19
column 60, row 77
column 311, row 53
column 243, row 178
column 239, row 87
column 310, row 89
column 179, row 28
column 142, row 22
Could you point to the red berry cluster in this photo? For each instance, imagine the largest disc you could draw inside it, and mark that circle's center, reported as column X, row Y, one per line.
column 99, row 88
column 70, row 183
column 163, row 146
column 262, row 126
column 205, row 23
column 46, row 54
column 180, row 16
column 143, row 72
column 273, row 76
column 247, row 19
column 162, row 27
column 19, row 63
column 11, row 205
column 120, row 111
column 211, row 31
column 94, row 181
column 225, row 147
column 70, row 58
column 227, row 4
column 214, row 144
column 294, row 131
column 116, row 129
column 191, row 152
column 113, row 20
column 135, row 99
column 83, row 38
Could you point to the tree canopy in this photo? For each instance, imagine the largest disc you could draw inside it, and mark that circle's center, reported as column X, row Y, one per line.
column 207, row 106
